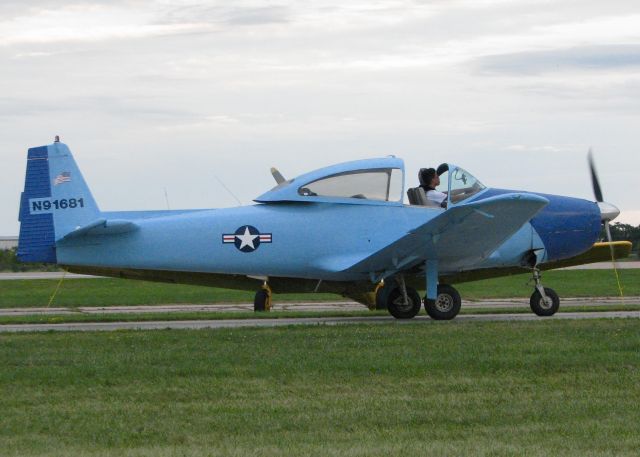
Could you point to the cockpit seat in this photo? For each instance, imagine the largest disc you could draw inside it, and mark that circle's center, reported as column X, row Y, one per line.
column 417, row 196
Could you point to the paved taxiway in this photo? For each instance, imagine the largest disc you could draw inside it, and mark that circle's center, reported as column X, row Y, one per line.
column 515, row 303
column 237, row 323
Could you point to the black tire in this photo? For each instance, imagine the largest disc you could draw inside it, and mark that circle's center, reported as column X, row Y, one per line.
column 541, row 308
column 397, row 307
column 260, row 300
column 446, row 306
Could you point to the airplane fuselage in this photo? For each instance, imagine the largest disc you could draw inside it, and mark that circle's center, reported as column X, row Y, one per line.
column 312, row 240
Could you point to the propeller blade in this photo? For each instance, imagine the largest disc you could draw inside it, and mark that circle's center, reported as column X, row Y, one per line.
column 597, row 191
column 607, row 230
column 613, row 257
column 277, row 175
column 608, row 213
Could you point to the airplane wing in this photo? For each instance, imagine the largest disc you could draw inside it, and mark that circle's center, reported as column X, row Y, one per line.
column 462, row 235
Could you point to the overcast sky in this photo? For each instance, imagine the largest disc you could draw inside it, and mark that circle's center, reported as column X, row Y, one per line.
column 184, row 95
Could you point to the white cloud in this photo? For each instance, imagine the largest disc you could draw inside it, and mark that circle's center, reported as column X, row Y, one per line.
column 533, row 149
column 88, row 23
column 172, row 91
column 631, row 217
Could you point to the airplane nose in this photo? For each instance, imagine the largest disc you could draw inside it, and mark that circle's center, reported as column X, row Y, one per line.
column 608, row 212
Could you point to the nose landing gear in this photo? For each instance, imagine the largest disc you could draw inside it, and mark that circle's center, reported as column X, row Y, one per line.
column 544, row 300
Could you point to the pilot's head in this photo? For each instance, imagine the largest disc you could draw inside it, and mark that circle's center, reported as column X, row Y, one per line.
column 428, row 177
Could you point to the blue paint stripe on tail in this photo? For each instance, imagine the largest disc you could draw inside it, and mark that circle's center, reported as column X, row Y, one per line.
column 37, row 237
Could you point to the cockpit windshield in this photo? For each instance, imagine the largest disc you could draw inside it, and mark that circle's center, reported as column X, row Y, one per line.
column 462, row 185
column 373, row 184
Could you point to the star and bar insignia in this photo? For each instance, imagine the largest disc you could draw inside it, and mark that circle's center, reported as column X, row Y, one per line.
column 246, row 238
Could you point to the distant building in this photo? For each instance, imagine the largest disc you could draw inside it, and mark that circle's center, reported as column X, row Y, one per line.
column 8, row 242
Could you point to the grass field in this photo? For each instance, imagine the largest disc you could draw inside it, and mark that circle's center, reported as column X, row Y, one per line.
column 486, row 389
column 109, row 292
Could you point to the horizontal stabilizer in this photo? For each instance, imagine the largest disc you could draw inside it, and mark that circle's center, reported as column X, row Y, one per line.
column 103, row 227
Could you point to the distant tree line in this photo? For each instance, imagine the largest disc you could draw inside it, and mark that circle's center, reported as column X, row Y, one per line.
column 9, row 262
column 625, row 232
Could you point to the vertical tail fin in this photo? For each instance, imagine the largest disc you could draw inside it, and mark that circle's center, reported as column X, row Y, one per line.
column 55, row 201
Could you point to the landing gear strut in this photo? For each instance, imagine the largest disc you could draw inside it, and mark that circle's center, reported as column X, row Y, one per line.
column 544, row 300
column 262, row 300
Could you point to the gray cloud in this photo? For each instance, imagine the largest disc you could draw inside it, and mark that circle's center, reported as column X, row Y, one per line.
column 14, row 8
column 132, row 108
column 580, row 58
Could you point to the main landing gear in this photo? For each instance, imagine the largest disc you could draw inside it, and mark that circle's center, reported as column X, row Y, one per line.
column 544, row 300
column 262, row 300
column 401, row 301
column 446, row 306
column 404, row 302
column 443, row 302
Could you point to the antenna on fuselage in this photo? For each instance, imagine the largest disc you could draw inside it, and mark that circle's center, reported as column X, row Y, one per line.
column 166, row 198
column 228, row 190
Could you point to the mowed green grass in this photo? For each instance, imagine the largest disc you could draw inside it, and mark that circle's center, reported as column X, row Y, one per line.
column 110, row 292
column 119, row 292
column 485, row 389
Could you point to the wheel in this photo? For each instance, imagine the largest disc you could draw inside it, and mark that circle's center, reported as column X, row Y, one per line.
column 396, row 306
column 542, row 307
column 260, row 300
column 446, row 306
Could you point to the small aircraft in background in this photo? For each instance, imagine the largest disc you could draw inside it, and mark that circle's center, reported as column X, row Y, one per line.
column 342, row 229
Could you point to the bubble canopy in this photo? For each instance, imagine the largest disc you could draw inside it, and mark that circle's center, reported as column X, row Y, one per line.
column 461, row 185
column 369, row 182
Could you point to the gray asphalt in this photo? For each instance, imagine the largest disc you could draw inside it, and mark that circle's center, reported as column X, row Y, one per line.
column 238, row 323
column 630, row 265
column 308, row 306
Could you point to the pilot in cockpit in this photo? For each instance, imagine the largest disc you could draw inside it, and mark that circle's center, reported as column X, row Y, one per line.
column 429, row 180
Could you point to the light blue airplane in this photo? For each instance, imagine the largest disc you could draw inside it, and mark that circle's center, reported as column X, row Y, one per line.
column 342, row 229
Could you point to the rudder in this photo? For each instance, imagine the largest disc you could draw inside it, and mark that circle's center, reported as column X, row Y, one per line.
column 55, row 201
